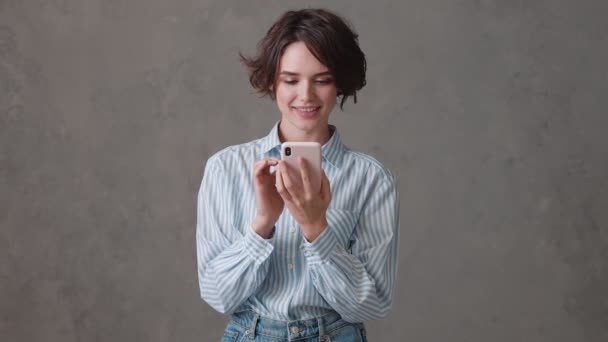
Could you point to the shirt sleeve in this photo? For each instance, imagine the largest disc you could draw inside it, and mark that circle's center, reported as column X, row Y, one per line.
column 359, row 283
column 231, row 265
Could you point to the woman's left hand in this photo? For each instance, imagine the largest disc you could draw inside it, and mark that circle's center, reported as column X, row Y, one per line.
column 308, row 207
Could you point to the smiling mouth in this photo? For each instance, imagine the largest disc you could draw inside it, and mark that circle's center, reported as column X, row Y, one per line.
column 307, row 113
column 307, row 109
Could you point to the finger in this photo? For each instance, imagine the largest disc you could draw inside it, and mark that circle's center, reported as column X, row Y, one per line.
column 272, row 163
column 305, row 174
column 258, row 167
column 325, row 187
column 281, row 189
column 289, row 185
column 262, row 167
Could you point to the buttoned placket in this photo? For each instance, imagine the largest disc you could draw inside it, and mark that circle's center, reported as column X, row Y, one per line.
column 293, row 238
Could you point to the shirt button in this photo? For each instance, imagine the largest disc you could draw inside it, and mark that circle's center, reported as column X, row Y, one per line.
column 290, row 265
column 292, row 229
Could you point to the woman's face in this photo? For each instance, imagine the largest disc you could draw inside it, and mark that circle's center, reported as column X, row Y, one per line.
column 305, row 91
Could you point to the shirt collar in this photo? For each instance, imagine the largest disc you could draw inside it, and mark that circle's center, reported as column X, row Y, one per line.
column 332, row 150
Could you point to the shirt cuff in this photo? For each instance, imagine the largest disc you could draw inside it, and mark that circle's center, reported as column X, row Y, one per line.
column 320, row 249
column 258, row 247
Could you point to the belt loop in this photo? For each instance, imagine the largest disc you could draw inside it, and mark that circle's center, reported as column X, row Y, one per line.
column 321, row 325
column 251, row 331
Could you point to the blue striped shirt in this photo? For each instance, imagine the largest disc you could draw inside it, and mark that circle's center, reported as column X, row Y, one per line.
column 350, row 268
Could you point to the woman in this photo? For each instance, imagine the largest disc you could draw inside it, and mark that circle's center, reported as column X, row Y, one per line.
column 285, row 262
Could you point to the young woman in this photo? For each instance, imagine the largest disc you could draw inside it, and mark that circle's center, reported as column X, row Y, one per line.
column 287, row 262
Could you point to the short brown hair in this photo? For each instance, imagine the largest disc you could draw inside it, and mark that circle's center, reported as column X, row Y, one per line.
column 328, row 37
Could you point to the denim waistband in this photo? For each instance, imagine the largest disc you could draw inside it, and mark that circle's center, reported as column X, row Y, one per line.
column 288, row 330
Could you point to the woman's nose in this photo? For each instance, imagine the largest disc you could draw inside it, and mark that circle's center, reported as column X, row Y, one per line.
column 306, row 91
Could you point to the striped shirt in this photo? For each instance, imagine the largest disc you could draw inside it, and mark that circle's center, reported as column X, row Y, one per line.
column 350, row 268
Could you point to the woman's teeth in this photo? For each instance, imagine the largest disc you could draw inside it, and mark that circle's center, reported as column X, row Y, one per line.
column 308, row 109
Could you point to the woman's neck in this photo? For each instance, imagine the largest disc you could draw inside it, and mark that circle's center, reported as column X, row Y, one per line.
column 320, row 136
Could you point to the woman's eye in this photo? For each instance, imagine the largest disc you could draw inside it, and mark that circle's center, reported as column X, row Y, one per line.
column 320, row 81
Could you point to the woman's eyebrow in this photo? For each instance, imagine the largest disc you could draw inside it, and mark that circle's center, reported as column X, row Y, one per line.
column 291, row 73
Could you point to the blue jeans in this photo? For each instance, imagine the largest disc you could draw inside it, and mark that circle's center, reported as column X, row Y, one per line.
column 246, row 326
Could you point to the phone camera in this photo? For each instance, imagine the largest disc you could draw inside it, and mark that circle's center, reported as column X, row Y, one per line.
column 287, row 151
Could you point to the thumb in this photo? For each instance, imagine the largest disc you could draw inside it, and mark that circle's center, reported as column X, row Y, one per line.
column 325, row 187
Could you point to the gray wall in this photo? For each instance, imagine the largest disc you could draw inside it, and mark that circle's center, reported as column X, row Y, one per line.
column 493, row 115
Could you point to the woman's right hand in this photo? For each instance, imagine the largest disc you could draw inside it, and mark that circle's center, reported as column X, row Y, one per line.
column 269, row 204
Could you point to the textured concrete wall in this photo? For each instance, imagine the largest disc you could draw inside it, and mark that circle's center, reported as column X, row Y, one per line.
column 493, row 114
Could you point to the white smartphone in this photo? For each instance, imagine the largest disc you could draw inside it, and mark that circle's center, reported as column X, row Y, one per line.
column 311, row 152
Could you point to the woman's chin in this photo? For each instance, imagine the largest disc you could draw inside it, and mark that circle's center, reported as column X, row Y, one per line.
column 305, row 123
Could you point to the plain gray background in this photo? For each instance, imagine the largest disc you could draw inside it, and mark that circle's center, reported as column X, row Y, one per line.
column 492, row 114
